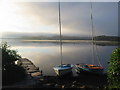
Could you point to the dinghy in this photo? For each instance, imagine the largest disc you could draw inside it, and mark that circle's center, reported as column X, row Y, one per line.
column 62, row 69
column 89, row 68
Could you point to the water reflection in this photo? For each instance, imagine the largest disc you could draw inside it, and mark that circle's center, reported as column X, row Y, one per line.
column 47, row 55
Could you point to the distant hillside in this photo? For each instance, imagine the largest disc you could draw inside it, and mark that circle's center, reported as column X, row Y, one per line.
column 57, row 38
column 107, row 38
column 41, row 36
column 97, row 38
column 47, row 36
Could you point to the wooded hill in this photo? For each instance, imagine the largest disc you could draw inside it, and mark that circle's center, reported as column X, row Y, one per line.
column 107, row 38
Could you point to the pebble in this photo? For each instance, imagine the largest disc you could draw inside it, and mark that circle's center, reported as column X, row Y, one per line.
column 74, row 82
column 73, row 86
column 63, row 86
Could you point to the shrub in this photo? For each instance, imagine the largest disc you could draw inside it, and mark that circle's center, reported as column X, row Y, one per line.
column 10, row 71
column 114, row 69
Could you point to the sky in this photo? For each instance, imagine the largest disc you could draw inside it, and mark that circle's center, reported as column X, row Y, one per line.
column 42, row 17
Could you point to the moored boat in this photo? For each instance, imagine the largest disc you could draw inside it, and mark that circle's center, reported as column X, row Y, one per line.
column 89, row 68
column 63, row 69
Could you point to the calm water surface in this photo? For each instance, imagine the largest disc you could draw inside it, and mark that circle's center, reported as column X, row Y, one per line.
column 47, row 55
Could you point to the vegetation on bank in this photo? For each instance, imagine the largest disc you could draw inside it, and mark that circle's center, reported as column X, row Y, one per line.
column 11, row 72
column 114, row 69
column 97, row 38
column 107, row 38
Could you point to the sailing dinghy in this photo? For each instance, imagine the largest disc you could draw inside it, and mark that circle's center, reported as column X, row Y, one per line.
column 91, row 68
column 62, row 69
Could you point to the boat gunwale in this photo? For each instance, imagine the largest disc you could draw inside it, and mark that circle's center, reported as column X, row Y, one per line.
column 63, row 68
column 90, row 66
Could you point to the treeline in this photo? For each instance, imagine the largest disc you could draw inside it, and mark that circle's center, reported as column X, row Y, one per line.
column 58, row 38
column 107, row 38
column 97, row 38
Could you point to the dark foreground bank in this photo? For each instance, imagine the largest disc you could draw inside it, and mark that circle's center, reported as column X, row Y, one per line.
column 35, row 79
column 82, row 81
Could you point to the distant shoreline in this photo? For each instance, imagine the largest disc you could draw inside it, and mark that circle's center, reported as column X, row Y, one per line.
column 97, row 42
column 68, row 40
column 74, row 41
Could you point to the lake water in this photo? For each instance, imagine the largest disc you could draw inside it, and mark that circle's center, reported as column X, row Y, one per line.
column 47, row 55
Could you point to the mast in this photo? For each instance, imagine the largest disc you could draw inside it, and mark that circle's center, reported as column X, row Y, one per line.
column 93, row 57
column 60, row 33
column 93, row 40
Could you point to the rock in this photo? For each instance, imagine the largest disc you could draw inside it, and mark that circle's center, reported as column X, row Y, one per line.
column 49, row 85
column 73, row 86
column 41, row 79
column 82, row 86
column 63, row 86
column 74, row 82
column 57, row 86
column 32, row 71
column 36, row 74
column 36, row 68
column 27, row 68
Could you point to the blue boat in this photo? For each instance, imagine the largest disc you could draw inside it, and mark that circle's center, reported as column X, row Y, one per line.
column 63, row 69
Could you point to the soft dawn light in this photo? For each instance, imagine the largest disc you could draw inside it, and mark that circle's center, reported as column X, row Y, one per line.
column 15, row 18
column 42, row 17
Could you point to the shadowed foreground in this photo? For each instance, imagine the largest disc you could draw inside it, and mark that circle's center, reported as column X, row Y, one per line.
column 35, row 79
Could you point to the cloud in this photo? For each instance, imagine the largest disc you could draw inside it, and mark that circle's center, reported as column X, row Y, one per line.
column 75, row 17
column 106, row 18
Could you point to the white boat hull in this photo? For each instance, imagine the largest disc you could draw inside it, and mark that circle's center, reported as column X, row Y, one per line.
column 63, row 69
column 63, row 72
